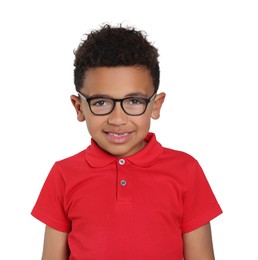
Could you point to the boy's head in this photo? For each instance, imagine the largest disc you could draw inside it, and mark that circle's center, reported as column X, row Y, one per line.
column 113, row 47
column 117, row 77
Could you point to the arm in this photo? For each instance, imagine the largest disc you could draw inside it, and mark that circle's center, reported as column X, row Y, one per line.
column 55, row 245
column 198, row 244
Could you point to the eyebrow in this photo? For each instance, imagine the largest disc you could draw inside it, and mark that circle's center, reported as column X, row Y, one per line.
column 134, row 94
column 137, row 94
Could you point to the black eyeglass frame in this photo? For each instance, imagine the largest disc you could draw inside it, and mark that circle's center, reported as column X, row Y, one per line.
column 115, row 100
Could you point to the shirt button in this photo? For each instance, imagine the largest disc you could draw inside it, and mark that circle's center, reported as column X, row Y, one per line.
column 123, row 182
column 121, row 161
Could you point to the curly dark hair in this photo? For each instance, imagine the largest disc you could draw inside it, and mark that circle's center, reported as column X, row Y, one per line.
column 112, row 47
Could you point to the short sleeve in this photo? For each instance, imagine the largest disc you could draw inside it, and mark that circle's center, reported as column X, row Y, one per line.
column 49, row 207
column 199, row 203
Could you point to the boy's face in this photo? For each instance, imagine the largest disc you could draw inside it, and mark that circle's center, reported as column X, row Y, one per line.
column 118, row 133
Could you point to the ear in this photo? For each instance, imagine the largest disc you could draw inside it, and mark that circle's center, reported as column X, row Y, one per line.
column 77, row 105
column 158, row 101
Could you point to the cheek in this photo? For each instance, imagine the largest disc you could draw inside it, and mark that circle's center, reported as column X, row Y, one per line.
column 143, row 121
column 94, row 124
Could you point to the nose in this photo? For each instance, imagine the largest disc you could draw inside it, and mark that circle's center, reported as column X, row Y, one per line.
column 117, row 116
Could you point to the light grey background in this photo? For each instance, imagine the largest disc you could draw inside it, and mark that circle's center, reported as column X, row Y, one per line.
column 209, row 65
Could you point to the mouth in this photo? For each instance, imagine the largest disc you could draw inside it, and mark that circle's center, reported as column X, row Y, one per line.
column 118, row 138
column 118, row 134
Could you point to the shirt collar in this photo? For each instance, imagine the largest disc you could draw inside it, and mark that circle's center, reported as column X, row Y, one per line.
column 97, row 157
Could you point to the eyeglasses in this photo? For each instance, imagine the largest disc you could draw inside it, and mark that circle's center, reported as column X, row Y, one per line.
column 132, row 106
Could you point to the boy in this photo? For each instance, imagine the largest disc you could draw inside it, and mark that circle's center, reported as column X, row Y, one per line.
column 125, row 197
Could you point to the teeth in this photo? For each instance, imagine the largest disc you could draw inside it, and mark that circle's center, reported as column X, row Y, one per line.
column 118, row 135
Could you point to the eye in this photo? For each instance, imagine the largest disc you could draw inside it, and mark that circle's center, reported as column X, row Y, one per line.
column 135, row 101
column 101, row 102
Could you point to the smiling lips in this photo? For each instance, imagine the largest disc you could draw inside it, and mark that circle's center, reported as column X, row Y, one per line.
column 118, row 138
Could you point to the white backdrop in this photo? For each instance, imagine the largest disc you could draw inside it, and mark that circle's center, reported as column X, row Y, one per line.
column 209, row 66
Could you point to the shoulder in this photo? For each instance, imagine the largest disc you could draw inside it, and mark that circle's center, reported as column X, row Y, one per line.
column 68, row 165
column 80, row 156
column 179, row 165
column 178, row 156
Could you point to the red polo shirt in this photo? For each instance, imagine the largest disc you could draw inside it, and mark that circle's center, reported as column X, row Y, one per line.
column 131, row 208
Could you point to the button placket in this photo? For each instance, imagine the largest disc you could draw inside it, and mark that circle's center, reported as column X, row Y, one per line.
column 123, row 187
column 122, row 180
